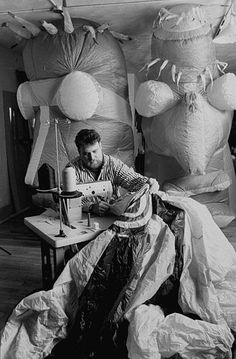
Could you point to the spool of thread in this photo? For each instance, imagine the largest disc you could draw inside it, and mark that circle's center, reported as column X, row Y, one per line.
column 69, row 179
column 46, row 177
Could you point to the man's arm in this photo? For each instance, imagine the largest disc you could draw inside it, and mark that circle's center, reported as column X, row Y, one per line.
column 95, row 205
column 132, row 181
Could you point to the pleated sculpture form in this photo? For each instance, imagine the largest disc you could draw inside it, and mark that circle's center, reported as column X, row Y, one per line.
column 79, row 78
column 188, row 102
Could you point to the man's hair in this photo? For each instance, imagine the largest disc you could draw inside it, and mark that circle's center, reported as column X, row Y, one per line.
column 87, row 137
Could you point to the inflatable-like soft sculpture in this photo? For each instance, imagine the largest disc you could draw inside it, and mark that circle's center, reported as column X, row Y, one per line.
column 78, row 79
column 187, row 105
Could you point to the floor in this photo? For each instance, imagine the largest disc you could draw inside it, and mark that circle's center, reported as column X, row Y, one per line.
column 20, row 263
column 20, row 272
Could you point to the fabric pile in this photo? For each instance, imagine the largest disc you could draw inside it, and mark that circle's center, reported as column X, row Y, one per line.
column 163, row 288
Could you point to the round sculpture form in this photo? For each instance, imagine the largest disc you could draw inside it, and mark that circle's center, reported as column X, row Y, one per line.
column 76, row 80
column 187, row 106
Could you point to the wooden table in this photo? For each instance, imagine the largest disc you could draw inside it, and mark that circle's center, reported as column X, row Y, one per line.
column 47, row 227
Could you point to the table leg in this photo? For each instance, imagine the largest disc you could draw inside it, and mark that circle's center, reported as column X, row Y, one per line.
column 59, row 262
column 46, row 265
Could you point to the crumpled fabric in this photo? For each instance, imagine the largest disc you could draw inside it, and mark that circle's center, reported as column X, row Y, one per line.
column 77, row 275
column 154, row 336
column 42, row 319
column 207, row 289
column 37, row 323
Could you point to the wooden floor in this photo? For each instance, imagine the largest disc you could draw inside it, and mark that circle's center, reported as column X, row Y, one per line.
column 20, row 272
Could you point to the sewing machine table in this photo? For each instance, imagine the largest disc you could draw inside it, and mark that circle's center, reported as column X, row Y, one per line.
column 47, row 225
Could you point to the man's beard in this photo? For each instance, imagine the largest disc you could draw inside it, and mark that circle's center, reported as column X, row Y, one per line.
column 94, row 165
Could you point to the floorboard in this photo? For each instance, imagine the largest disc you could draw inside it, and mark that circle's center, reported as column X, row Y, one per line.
column 20, row 273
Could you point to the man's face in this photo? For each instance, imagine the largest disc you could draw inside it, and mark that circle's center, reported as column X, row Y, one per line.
column 91, row 155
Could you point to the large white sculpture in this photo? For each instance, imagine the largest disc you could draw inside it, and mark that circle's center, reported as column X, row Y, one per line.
column 78, row 79
column 188, row 103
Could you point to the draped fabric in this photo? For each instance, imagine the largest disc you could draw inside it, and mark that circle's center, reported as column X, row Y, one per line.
column 177, row 267
column 100, row 328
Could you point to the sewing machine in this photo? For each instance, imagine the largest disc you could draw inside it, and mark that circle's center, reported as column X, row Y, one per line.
column 99, row 188
column 89, row 189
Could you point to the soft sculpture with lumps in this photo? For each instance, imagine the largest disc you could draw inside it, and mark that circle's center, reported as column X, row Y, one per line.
column 187, row 104
column 77, row 79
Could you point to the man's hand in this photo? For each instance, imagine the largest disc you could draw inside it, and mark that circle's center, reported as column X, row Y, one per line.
column 154, row 185
column 100, row 208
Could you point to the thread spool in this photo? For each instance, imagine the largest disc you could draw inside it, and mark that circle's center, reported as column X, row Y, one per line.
column 46, row 177
column 69, row 180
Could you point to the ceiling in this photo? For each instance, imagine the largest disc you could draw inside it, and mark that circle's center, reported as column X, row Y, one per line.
column 134, row 18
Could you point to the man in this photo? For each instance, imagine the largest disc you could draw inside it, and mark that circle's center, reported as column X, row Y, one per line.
column 93, row 165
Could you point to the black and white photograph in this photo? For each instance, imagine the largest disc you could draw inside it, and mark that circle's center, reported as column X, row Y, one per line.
column 117, row 179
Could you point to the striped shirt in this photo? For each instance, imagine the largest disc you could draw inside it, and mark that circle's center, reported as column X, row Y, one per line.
column 113, row 170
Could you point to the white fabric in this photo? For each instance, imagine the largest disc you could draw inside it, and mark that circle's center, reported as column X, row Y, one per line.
column 73, row 100
column 210, row 260
column 158, row 263
column 228, row 34
column 32, row 94
column 154, row 97
column 153, row 336
column 48, row 312
column 192, row 185
column 222, row 93
column 190, row 137
column 42, row 130
column 78, row 95
column 207, row 288
column 182, row 140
